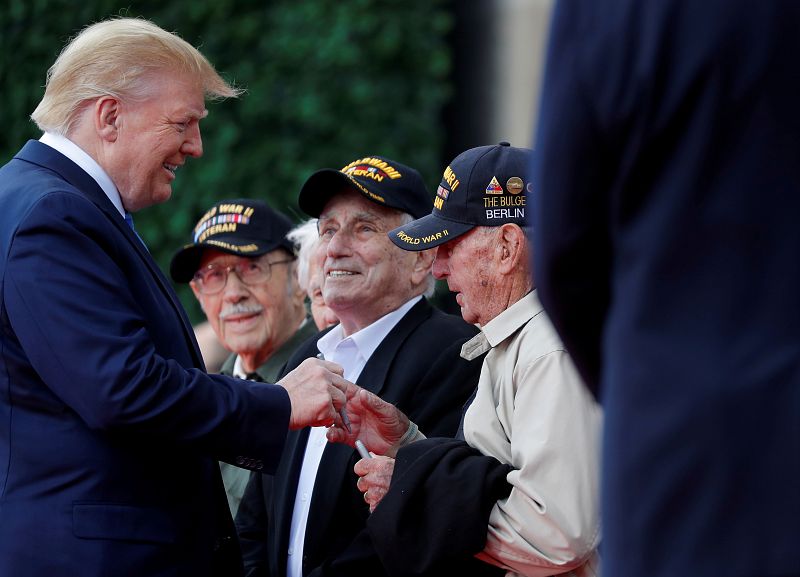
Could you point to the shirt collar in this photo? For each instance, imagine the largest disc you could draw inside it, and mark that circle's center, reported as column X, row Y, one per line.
column 89, row 165
column 238, row 371
column 503, row 326
column 370, row 337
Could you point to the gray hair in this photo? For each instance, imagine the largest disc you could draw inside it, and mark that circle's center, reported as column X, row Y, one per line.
column 117, row 57
column 305, row 237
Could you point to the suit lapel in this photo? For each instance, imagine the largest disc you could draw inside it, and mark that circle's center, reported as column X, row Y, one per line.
column 337, row 460
column 49, row 158
column 375, row 373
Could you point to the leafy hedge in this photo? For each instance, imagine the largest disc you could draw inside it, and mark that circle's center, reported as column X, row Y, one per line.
column 327, row 81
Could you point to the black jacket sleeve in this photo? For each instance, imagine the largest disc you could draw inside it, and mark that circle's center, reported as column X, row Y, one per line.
column 435, row 516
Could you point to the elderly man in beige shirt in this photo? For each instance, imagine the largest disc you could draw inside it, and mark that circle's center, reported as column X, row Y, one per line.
column 531, row 412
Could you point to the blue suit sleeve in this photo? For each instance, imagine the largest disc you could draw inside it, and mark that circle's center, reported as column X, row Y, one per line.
column 79, row 305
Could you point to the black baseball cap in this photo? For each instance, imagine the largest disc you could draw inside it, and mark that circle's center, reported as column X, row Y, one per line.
column 379, row 179
column 484, row 186
column 241, row 226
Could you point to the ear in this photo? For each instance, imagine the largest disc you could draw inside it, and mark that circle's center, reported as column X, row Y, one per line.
column 423, row 261
column 106, row 115
column 511, row 246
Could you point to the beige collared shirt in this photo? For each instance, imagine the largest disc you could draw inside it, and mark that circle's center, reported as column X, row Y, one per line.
column 533, row 412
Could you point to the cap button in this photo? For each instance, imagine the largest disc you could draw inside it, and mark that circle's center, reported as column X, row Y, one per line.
column 504, row 143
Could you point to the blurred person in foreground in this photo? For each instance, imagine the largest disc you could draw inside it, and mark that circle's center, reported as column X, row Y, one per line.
column 308, row 517
column 309, row 270
column 110, row 428
column 667, row 256
column 518, row 487
column 243, row 271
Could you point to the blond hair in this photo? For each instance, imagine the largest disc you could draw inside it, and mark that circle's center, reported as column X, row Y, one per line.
column 117, row 57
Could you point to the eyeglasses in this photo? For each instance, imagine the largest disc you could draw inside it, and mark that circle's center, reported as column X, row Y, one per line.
column 214, row 277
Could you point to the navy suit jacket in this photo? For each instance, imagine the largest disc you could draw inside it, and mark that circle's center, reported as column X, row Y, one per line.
column 667, row 253
column 418, row 368
column 109, row 425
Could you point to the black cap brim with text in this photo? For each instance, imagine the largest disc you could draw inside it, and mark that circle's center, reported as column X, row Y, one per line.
column 379, row 179
column 483, row 186
column 243, row 227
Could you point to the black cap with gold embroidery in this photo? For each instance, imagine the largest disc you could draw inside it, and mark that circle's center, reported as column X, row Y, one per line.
column 243, row 227
column 484, row 186
column 379, row 179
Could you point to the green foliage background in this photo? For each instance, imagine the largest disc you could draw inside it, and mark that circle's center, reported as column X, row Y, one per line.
column 327, row 81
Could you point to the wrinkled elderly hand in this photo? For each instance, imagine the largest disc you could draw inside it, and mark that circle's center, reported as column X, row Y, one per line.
column 378, row 424
column 375, row 476
column 317, row 391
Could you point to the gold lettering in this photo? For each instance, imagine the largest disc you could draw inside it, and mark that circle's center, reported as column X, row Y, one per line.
column 390, row 171
column 217, row 229
column 510, row 201
column 405, row 238
column 450, row 179
column 231, row 208
column 211, row 212
column 438, row 202
column 373, row 175
column 245, row 248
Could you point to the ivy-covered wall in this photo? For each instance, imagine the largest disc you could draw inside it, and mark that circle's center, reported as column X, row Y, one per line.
column 327, row 81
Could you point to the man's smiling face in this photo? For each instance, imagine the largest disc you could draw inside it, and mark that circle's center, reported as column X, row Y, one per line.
column 366, row 275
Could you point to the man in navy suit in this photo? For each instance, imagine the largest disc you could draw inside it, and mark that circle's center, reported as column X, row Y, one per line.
column 109, row 425
column 666, row 203
column 309, row 518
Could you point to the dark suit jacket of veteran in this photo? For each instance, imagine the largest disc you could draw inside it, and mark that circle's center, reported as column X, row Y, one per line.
column 418, row 368
column 668, row 256
column 109, row 424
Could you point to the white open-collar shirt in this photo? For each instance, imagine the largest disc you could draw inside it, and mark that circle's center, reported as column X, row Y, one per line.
column 352, row 353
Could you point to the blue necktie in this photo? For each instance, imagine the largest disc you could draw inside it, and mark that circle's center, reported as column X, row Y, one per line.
column 129, row 221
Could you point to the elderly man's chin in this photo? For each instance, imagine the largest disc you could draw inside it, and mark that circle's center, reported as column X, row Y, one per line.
column 240, row 343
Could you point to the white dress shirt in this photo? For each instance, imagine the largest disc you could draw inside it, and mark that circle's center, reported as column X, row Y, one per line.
column 89, row 165
column 352, row 353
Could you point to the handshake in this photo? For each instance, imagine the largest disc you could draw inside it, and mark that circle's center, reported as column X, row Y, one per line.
column 321, row 397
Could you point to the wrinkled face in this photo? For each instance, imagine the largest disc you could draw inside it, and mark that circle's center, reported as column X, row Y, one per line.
column 466, row 264
column 250, row 319
column 366, row 276
column 153, row 140
column 322, row 314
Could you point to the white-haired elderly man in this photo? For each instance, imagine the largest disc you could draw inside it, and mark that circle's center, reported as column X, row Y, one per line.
column 519, row 485
column 310, row 255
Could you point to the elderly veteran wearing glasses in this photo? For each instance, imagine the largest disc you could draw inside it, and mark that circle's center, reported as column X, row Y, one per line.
column 518, row 487
column 308, row 518
column 242, row 269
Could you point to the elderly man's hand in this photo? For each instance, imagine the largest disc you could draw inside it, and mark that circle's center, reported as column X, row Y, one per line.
column 378, row 424
column 317, row 392
column 375, row 476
